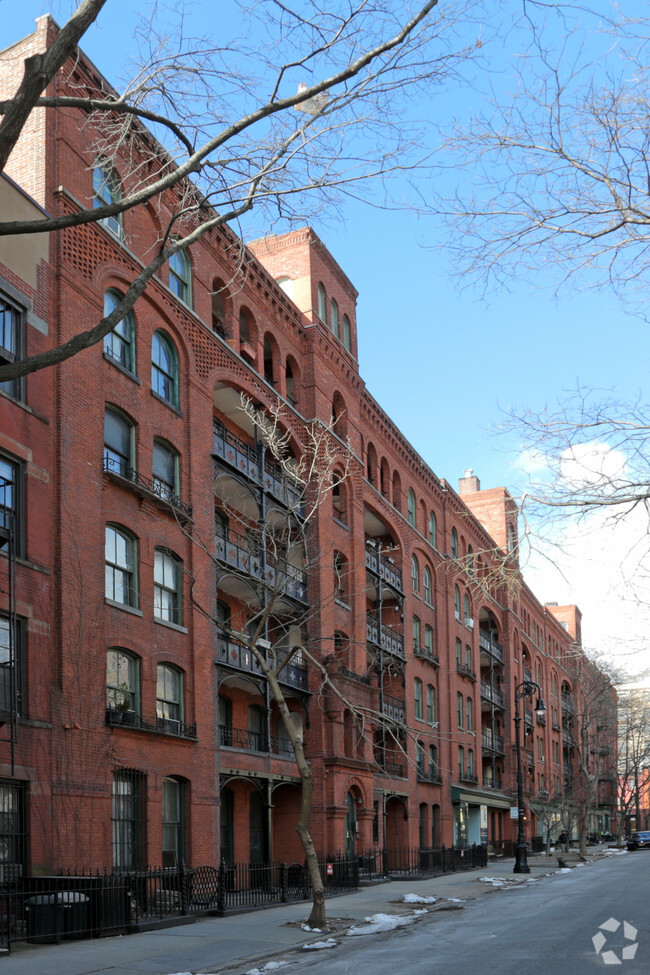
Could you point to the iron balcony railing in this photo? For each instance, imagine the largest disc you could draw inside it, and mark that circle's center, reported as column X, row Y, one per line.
column 230, row 653
column 567, row 705
column 425, row 653
column 490, row 645
column 247, row 460
column 116, row 717
column 393, row 769
column 466, row 776
column 246, row 555
column 492, row 741
column 491, row 781
column 433, row 778
column 465, row 671
column 352, row 675
column 255, row 741
column 385, row 637
column 490, row 693
column 384, row 568
column 152, row 486
column 394, row 709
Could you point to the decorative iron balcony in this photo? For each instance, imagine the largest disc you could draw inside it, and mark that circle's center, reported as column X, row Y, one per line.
column 424, row 653
column 247, row 460
column 150, row 487
column 255, row 741
column 230, row 653
column 394, row 709
column 467, row 776
column 115, row 717
column 384, row 567
column 492, row 742
column 247, row 556
column 491, row 782
column 388, row 639
column 465, row 671
column 490, row 645
column 490, row 693
column 567, row 705
column 395, row 771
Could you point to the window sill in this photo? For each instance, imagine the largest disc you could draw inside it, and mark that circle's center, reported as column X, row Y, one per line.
column 120, row 368
column 171, row 626
column 123, row 606
column 171, row 406
column 22, row 405
column 340, row 602
column 341, row 524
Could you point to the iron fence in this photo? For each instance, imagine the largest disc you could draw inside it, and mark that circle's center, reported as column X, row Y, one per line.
column 417, row 862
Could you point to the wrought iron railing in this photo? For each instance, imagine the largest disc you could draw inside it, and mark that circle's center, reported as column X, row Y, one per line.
column 385, row 637
column 151, row 485
column 490, row 645
column 117, row 717
column 384, row 567
column 492, row 741
column 490, row 693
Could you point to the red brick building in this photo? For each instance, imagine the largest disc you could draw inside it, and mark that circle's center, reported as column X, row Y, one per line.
column 137, row 727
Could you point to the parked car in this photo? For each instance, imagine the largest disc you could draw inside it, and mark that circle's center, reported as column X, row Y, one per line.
column 639, row 840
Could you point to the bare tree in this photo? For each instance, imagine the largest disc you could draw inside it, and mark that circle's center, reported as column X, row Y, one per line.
column 633, row 756
column 233, row 126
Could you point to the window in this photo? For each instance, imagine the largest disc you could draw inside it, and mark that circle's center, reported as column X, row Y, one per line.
column 416, row 633
column 461, row 762
column 106, row 192
column 122, row 681
column 454, row 543
column 468, row 657
column 121, row 574
column 12, row 822
column 322, row 303
column 129, row 791
column 334, row 318
column 9, row 498
column 415, row 574
column 12, row 659
column 164, row 368
column 467, row 613
column 118, row 444
column 411, row 507
column 340, row 580
column 433, row 530
column 426, row 586
column 428, row 640
column 431, row 704
column 169, row 698
column 224, row 719
column 173, row 822
column 339, row 499
column 119, row 344
column 470, row 763
column 540, row 750
column 257, row 728
column 469, row 715
column 11, row 343
column 457, row 603
column 417, row 695
column 470, row 560
column 459, row 709
column 419, row 759
column 346, row 337
column 165, row 470
column 459, row 652
column 167, row 589
column 180, row 276
column 433, row 761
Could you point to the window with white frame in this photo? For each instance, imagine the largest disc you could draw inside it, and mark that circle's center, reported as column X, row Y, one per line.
column 167, row 589
column 426, row 586
column 119, row 344
column 106, row 192
column 180, row 276
column 164, row 368
column 121, row 566
column 169, row 697
column 122, row 680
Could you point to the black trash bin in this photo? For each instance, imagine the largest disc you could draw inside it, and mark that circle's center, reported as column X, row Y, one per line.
column 75, row 914
column 44, row 918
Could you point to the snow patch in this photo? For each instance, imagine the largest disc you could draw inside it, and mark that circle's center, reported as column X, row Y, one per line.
column 305, row 927
column 377, row 923
column 318, row 945
column 612, row 853
column 269, row 967
column 417, row 899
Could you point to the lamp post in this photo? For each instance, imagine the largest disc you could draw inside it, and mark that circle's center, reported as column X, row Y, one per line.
column 526, row 689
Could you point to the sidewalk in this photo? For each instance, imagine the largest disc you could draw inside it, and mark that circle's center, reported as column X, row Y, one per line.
column 240, row 942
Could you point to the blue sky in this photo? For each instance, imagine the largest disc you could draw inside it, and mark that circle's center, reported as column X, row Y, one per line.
column 441, row 361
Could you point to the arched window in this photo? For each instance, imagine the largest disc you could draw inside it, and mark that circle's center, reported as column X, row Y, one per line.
column 470, row 560
column 454, row 543
column 291, row 379
column 459, row 652
column 415, row 574
column 433, row 761
column 467, row 615
column 433, row 530
column 346, row 337
column 122, row 681
column 218, row 309
column 269, row 360
column 339, row 416
column 417, row 696
column 167, row 589
column 164, row 368
column 428, row 640
column 426, row 586
column 322, row 303
column 334, row 318
column 470, row 762
column 119, row 443
column 340, row 577
column 419, row 768
column 457, row 603
column 468, row 657
column 339, row 499
column 119, row 344
column 431, row 704
column 469, row 715
column 416, row 634
column 411, row 507
column 165, row 470
column 459, row 709
column 397, row 491
column 180, row 276
column 169, row 698
column 106, row 191
column 461, row 762
column 121, row 584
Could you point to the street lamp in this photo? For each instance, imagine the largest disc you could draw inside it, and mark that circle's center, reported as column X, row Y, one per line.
column 526, row 689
